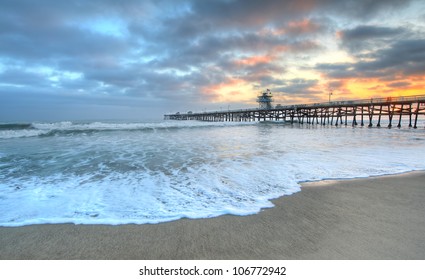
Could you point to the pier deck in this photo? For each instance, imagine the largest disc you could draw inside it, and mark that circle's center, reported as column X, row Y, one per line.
column 354, row 112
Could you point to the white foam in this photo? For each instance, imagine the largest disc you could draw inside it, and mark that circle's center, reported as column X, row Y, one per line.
column 7, row 134
column 131, row 126
column 195, row 173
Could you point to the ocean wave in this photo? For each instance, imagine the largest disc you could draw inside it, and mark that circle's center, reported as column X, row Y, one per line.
column 101, row 126
column 7, row 134
column 16, row 130
column 192, row 171
column 15, row 126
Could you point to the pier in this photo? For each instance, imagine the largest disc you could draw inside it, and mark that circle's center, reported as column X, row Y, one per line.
column 364, row 112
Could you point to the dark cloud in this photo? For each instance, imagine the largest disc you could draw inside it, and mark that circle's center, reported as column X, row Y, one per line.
column 251, row 13
column 367, row 38
column 23, row 41
column 335, row 84
column 241, row 13
column 364, row 9
column 405, row 53
column 381, row 52
column 298, row 87
column 21, row 77
column 399, row 84
column 403, row 57
column 366, row 32
column 337, row 70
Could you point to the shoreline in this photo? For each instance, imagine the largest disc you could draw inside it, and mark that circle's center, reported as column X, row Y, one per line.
column 340, row 180
column 379, row 217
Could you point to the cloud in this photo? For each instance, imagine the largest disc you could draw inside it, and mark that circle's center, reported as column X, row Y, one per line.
column 364, row 9
column 406, row 56
column 365, row 32
column 368, row 38
column 403, row 58
column 20, row 77
column 305, row 26
column 380, row 52
column 191, row 53
column 299, row 87
column 399, row 84
column 250, row 13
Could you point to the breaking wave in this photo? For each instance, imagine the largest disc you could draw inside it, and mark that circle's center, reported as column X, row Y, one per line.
column 18, row 130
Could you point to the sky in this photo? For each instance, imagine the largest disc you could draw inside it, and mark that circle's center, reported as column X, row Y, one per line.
column 105, row 59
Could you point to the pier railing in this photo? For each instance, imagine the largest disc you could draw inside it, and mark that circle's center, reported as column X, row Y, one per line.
column 323, row 113
column 398, row 99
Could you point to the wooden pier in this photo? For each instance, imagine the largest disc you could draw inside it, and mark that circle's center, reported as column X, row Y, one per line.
column 390, row 111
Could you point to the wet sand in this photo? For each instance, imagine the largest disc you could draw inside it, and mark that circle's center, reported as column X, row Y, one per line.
column 374, row 218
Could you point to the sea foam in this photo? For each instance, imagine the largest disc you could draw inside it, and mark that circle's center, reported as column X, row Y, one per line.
column 119, row 173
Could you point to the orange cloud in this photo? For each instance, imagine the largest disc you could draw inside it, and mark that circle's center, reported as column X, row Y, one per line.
column 281, row 49
column 339, row 34
column 253, row 60
column 293, row 28
column 230, row 90
column 373, row 87
column 304, row 26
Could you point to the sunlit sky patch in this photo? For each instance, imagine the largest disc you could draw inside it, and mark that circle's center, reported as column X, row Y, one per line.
column 80, row 60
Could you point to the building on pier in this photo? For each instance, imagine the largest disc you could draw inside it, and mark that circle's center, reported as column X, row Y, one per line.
column 265, row 100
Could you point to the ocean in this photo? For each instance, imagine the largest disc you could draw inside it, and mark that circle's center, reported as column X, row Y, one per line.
column 152, row 172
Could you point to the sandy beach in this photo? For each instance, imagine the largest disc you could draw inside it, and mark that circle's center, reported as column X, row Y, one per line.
column 373, row 218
